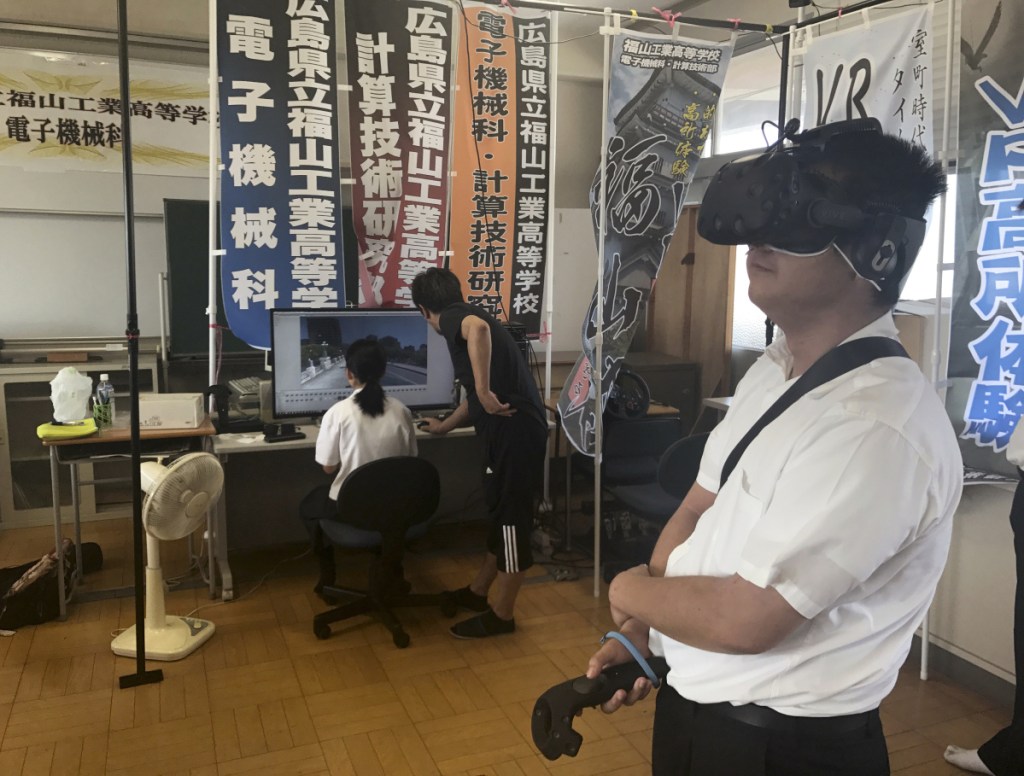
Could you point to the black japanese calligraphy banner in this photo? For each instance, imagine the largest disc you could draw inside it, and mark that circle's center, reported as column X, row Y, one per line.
column 985, row 397
column 881, row 68
column 280, row 204
column 399, row 65
column 62, row 112
column 662, row 99
column 501, row 192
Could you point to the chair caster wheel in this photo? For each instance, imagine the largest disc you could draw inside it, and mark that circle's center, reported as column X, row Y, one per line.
column 401, row 639
column 449, row 608
column 321, row 631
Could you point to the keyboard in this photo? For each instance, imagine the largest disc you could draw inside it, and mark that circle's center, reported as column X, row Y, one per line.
column 245, row 386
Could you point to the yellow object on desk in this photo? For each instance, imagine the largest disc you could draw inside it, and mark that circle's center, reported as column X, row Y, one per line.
column 66, row 430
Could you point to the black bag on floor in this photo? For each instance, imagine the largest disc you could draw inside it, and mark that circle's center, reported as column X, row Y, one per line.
column 28, row 593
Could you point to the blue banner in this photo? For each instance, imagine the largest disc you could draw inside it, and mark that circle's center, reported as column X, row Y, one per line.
column 985, row 397
column 280, row 200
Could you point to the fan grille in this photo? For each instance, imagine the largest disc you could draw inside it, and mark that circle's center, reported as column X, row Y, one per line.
column 177, row 505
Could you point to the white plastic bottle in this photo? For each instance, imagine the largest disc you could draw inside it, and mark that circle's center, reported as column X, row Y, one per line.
column 105, row 399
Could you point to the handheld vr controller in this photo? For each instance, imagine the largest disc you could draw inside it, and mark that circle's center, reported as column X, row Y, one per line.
column 555, row 709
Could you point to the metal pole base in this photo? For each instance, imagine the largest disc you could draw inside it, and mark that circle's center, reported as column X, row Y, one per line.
column 144, row 677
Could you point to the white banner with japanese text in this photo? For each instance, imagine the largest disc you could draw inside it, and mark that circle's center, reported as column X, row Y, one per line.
column 63, row 112
column 280, row 199
column 662, row 100
column 985, row 397
column 502, row 159
column 399, row 67
column 881, row 69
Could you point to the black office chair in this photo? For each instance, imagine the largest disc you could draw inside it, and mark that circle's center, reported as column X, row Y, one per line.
column 654, row 503
column 632, row 448
column 677, row 471
column 382, row 504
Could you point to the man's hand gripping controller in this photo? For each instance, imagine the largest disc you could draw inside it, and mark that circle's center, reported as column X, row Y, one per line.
column 555, row 709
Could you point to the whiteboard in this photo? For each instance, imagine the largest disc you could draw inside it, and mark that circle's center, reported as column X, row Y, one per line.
column 63, row 252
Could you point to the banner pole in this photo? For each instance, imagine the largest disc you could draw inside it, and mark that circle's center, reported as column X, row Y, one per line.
column 549, row 277
column 940, row 268
column 595, row 368
column 211, row 303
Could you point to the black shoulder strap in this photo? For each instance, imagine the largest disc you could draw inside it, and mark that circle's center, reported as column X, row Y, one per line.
column 838, row 361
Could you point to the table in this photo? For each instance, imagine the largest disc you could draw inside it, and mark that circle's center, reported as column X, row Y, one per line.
column 226, row 445
column 107, row 443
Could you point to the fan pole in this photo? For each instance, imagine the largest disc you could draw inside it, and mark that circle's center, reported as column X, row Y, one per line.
column 141, row 675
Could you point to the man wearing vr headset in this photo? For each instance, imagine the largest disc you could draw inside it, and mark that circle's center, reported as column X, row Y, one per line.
column 784, row 592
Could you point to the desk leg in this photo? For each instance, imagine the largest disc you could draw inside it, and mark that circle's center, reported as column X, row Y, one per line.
column 219, row 546
column 75, row 502
column 58, row 536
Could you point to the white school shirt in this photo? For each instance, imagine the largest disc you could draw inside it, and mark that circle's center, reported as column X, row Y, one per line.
column 844, row 505
column 350, row 437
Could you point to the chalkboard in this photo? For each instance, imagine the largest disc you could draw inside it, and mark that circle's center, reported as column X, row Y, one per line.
column 186, row 226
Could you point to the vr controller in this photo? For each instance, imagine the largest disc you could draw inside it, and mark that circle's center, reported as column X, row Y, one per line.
column 555, row 710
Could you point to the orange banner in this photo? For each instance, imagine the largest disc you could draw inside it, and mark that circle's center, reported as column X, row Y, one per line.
column 499, row 196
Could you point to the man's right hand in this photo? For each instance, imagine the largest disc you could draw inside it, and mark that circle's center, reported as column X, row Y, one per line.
column 613, row 653
column 432, row 425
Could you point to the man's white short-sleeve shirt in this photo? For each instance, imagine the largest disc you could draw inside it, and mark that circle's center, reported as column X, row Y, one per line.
column 349, row 437
column 844, row 505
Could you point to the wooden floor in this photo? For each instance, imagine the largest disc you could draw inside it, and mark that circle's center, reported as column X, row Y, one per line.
column 265, row 696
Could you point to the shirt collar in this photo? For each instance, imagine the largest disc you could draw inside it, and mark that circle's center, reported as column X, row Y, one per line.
column 883, row 326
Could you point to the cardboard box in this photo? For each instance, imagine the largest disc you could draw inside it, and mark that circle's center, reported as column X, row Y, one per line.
column 171, row 410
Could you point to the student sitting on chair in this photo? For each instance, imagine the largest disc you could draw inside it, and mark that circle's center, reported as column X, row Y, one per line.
column 364, row 427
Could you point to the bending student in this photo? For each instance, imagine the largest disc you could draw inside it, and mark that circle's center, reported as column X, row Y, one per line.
column 504, row 406
column 361, row 428
column 785, row 599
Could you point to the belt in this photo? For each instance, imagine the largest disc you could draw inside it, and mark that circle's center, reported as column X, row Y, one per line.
column 763, row 717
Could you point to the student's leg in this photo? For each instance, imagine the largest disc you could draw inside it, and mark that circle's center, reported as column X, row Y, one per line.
column 515, row 448
column 1003, row 754
column 317, row 506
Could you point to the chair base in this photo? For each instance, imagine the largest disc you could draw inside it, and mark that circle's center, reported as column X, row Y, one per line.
column 379, row 609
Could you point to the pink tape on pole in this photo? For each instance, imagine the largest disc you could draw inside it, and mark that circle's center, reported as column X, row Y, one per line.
column 668, row 16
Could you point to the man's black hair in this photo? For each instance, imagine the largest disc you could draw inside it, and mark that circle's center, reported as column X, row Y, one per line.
column 881, row 173
column 435, row 289
column 365, row 358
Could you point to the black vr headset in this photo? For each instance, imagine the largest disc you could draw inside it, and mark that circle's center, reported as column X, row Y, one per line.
column 776, row 199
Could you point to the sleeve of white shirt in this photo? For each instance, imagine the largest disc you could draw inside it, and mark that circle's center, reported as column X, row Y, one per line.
column 409, row 431
column 847, row 501
column 328, row 449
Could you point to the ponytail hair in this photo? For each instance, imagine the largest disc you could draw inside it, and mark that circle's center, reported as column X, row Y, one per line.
column 366, row 360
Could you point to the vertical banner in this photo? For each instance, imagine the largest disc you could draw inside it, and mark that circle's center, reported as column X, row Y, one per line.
column 662, row 99
column 399, row 66
column 502, row 158
column 985, row 397
column 881, row 69
column 280, row 204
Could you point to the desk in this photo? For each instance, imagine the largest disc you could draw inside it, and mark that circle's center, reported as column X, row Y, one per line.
column 107, row 443
column 226, row 445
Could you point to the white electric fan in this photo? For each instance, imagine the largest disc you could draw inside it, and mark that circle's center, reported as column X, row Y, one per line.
column 177, row 497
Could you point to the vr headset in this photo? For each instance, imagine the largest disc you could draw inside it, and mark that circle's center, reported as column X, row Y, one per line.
column 776, row 199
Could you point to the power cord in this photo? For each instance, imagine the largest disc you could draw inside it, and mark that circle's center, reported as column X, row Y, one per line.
column 264, row 578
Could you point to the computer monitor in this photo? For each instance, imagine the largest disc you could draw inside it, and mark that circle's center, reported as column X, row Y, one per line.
column 308, row 358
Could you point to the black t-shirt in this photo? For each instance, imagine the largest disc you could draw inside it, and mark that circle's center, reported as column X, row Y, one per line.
column 511, row 380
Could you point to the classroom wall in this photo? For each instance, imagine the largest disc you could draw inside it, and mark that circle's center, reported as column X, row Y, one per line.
column 63, row 232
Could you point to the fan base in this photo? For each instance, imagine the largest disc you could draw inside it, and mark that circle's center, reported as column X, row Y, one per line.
column 180, row 636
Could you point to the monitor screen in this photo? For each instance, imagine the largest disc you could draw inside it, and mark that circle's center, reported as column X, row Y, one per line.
column 308, row 358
